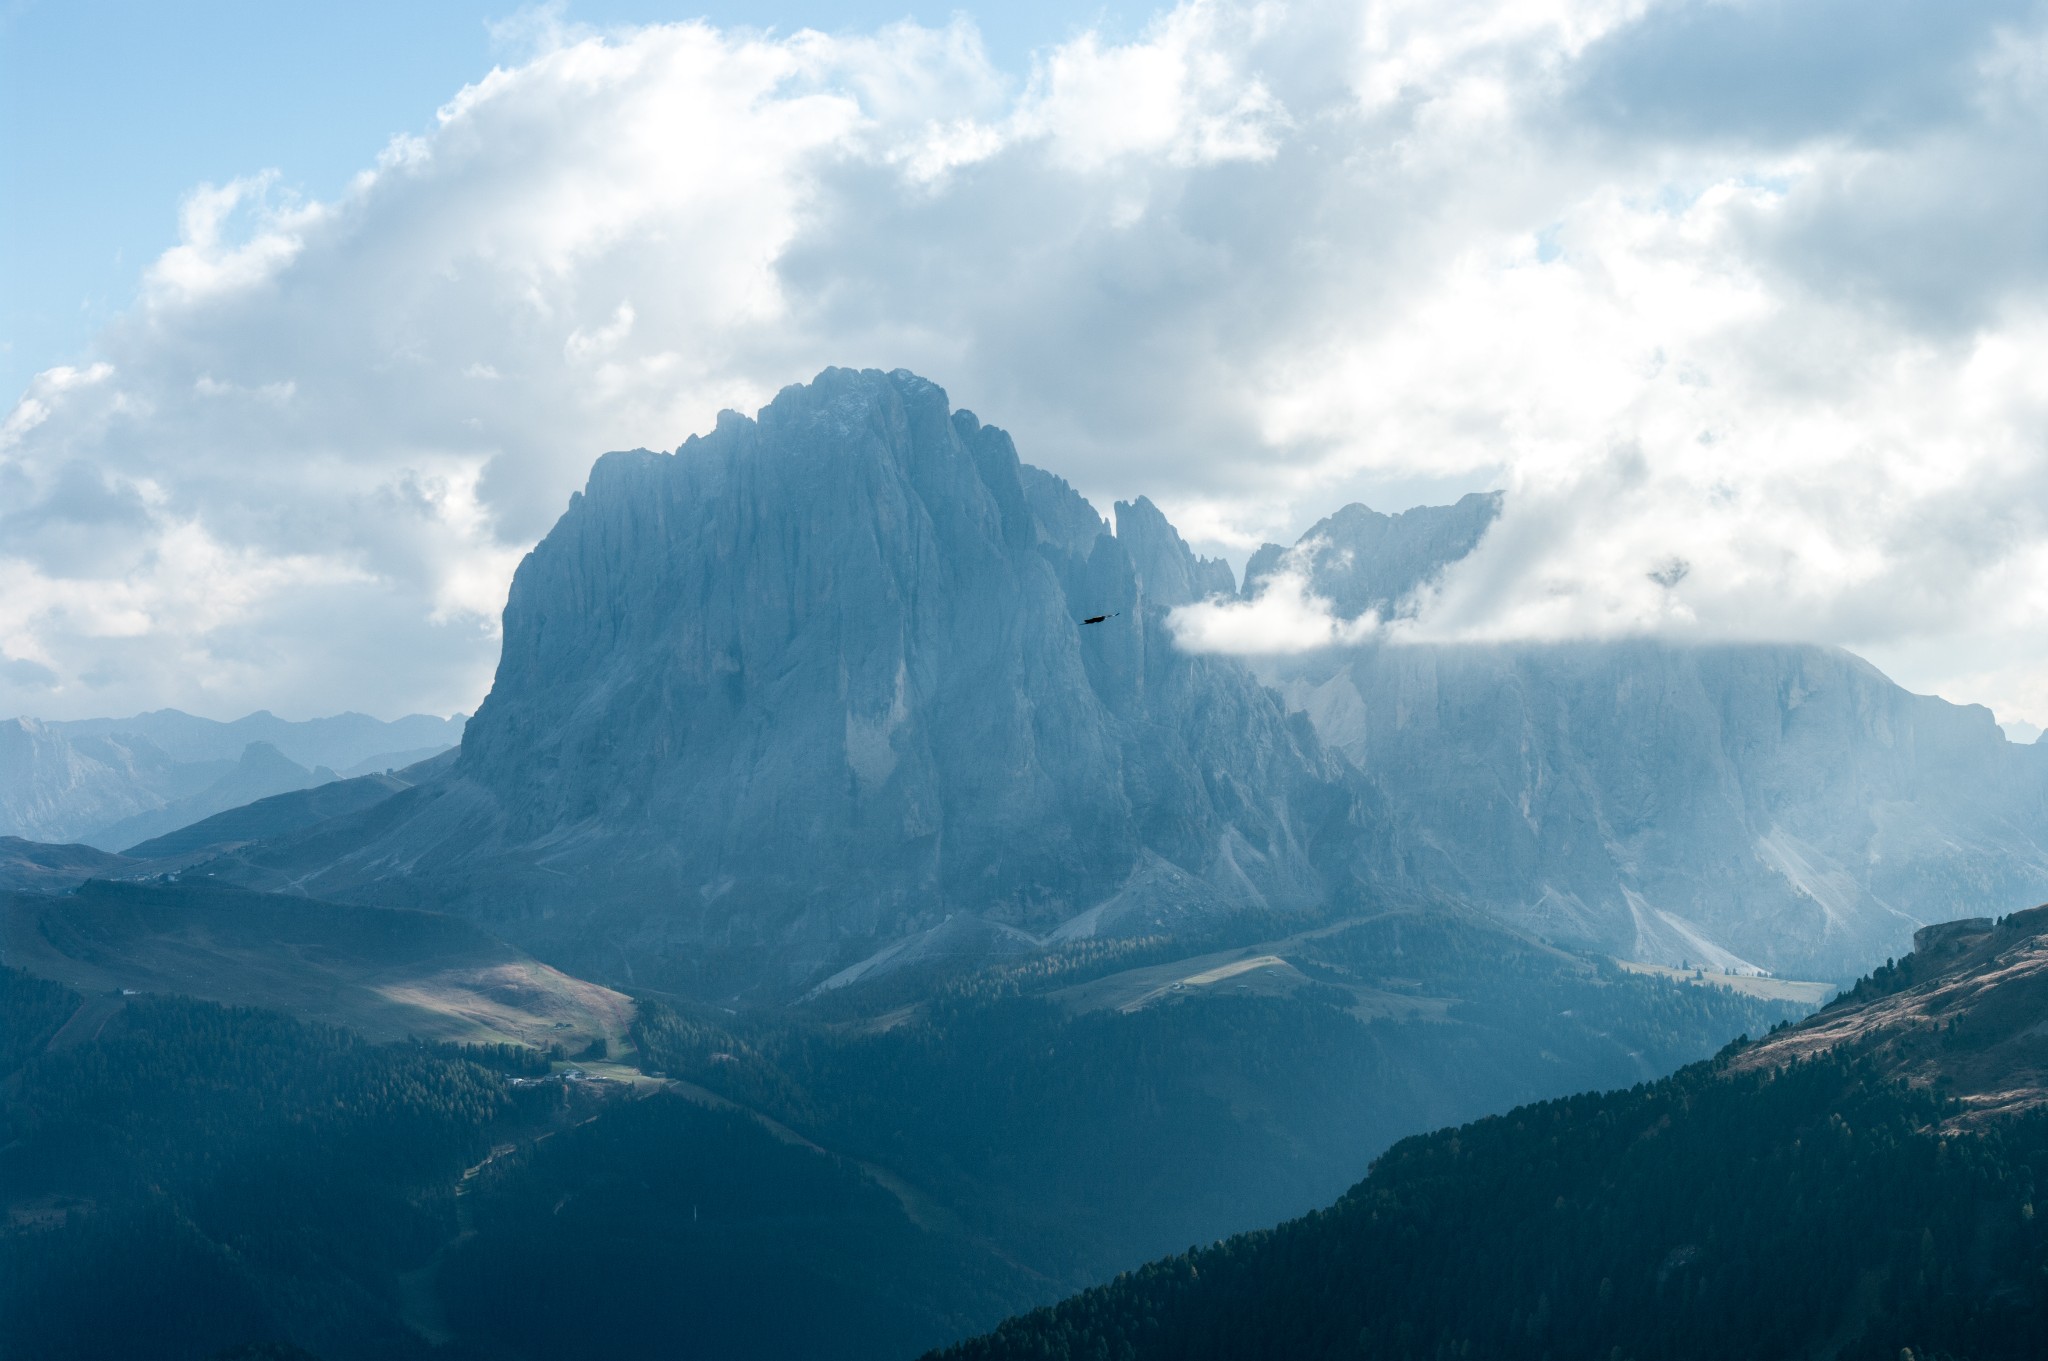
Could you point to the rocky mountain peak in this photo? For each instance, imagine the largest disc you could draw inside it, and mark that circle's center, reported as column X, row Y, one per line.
column 1361, row 560
column 1167, row 568
column 820, row 678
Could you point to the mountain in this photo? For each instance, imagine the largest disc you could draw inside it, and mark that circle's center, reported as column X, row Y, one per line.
column 109, row 781
column 386, row 762
column 1861, row 1185
column 283, row 815
column 812, row 697
column 819, row 680
column 983, row 952
column 272, row 816
column 339, row 741
column 1739, row 806
column 1363, row 561
column 43, row 867
column 263, row 770
column 56, row 788
column 180, row 1176
column 1090, row 1108
column 1742, row 806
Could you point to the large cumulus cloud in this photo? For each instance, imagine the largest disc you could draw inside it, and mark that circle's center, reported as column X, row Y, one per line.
column 1745, row 316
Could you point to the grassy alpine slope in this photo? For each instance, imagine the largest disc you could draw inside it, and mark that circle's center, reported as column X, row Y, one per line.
column 384, row 974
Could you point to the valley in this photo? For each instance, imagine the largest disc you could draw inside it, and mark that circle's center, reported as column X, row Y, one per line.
column 1750, row 985
column 1892, row 1146
column 827, row 941
column 1021, row 1146
column 1221, row 680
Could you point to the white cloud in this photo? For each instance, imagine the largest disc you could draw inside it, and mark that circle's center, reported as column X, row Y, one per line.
column 206, row 262
column 1181, row 95
column 586, row 345
column 49, row 387
column 1252, row 262
column 1284, row 616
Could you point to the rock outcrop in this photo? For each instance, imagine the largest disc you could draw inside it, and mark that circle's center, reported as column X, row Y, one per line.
column 818, row 681
column 58, row 789
column 1731, row 806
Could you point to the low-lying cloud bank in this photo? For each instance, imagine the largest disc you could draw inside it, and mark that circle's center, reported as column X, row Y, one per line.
column 1282, row 618
column 1752, row 288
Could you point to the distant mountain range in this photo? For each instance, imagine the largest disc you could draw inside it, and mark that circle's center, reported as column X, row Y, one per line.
column 775, row 708
column 113, row 782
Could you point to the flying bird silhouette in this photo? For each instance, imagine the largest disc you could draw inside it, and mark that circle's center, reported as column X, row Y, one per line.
column 1100, row 617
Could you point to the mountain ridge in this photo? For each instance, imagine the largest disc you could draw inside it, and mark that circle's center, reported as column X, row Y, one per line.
column 878, row 706
column 1754, row 806
column 819, row 681
column 1960, row 1016
column 113, row 781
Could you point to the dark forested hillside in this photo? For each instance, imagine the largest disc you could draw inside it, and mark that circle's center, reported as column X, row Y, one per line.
column 31, row 1012
column 1086, row 1135
column 181, row 1176
column 1786, row 1200
column 1698, row 1217
column 865, row 1179
column 666, row 1229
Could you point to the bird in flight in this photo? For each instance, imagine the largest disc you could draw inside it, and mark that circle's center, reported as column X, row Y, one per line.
column 1100, row 617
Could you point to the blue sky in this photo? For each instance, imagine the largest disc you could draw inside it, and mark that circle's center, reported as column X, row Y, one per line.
column 316, row 317
column 111, row 110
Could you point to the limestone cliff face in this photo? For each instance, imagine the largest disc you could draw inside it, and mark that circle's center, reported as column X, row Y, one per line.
column 816, row 686
column 818, row 680
column 1780, row 806
column 1785, row 807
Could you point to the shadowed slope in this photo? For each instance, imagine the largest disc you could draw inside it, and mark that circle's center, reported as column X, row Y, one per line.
column 41, row 867
column 385, row 974
column 1855, row 1185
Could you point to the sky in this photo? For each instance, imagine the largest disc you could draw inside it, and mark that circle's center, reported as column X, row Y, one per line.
column 319, row 318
